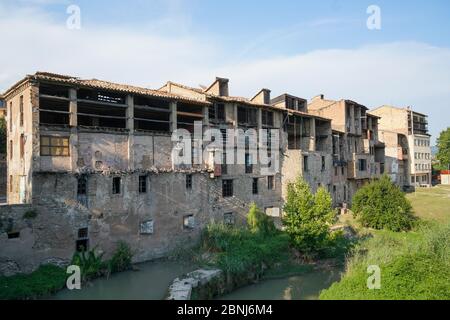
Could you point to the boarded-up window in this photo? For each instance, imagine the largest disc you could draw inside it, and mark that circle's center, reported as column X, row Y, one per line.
column 188, row 222
column 54, row 146
column 146, row 227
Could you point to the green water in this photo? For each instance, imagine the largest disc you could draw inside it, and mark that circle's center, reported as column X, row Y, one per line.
column 153, row 279
column 303, row 287
column 149, row 283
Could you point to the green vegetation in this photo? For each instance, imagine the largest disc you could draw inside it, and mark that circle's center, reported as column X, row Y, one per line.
column 49, row 279
column 121, row 259
column 414, row 265
column 43, row 282
column 30, row 214
column 308, row 218
column 2, row 135
column 258, row 221
column 91, row 264
column 241, row 251
column 382, row 205
column 431, row 203
column 443, row 154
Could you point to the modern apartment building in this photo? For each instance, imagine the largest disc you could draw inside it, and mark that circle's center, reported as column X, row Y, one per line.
column 358, row 155
column 408, row 149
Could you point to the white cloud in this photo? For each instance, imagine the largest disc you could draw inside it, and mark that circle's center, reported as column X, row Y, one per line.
column 403, row 74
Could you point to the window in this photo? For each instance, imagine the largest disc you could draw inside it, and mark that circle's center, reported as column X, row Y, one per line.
column 82, row 185
column 189, row 181
column 227, row 188
column 54, row 146
column 82, row 244
column 247, row 116
column 362, row 164
column 335, row 171
column 342, row 170
column 255, row 186
column 11, row 149
column 220, row 112
column 217, row 112
column 267, row 118
column 248, row 163
column 305, row 163
column 22, row 146
column 228, row 218
column 270, row 183
column 189, row 222
column 323, row 163
column 21, row 111
column 13, row 235
column 146, row 227
column 11, row 183
column 142, row 184
column 224, row 163
column 116, row 185
column 10, row 117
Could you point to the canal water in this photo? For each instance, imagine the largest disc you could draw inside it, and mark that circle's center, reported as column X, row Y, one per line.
column 153, row 279
column 149, row 283
column 303, row 287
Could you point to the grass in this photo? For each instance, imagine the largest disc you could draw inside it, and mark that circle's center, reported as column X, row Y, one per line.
column 41, row 283
column 431, row 203
column 414, row 265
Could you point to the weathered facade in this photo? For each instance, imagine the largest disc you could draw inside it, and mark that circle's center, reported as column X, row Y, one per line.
column 91, row 163
column 408, row 149
column 358, row 155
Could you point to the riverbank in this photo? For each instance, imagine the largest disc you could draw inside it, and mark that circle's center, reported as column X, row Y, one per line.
column 413, row 265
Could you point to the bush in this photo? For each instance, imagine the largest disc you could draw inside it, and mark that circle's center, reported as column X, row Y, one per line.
column 308, row 217
column 239, row 250
column 91, row 265
column 43, row 282
column 121, row 259
column 258, row 221
column 382, row 205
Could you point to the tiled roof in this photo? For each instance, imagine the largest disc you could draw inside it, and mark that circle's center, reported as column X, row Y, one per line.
column 102, row 85
column 243, row 100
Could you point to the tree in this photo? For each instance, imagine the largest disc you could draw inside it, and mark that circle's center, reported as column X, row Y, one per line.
column 308, row 217
column 2, row 135
column 382, row 205
column 443, row 144
column 258, row 221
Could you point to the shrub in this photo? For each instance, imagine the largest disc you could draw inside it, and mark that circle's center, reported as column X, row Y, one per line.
column 121, row 258
column 382, row 205
column 30, row 214
column 46, row 280
column 240, row 250
column 308, row 217
column 91, row 264
column 258, row 221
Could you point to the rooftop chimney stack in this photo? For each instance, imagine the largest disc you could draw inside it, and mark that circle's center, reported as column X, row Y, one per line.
column 262, row 97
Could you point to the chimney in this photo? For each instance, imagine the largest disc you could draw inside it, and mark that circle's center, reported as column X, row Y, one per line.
column 318, row 97
column 219, row 87
column 262, row 97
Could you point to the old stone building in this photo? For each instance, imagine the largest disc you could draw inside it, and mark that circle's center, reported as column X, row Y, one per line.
column 92, row 162
column 408, row 149
column 358, row 155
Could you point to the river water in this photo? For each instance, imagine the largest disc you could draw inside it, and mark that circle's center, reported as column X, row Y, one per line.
column 153, row 279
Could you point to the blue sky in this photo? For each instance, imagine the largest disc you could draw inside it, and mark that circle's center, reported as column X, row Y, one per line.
column 303, row 47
